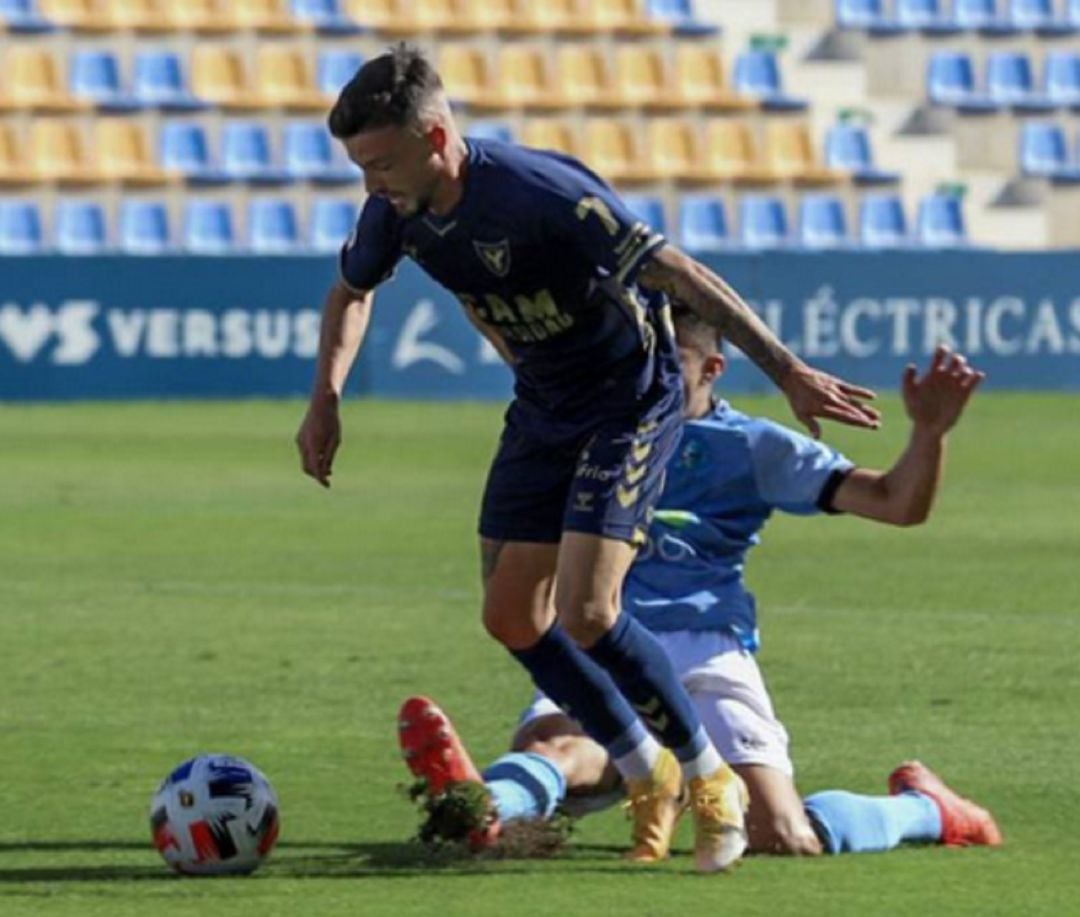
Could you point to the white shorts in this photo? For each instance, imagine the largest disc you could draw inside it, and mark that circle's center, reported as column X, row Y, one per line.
column 725, row 684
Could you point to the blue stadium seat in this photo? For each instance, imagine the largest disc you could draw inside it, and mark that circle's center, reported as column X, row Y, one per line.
column 882, row 223
column 680, row 15
column 80, row 228
column 1040, row 17
column 246, row 153
column 272, row 227
column 208, row 228
column 325, row 15
column 335, row 68
column 847, row 148
column 928, row 16
column 20, row 228
column 332, row 220
column 1044, row 151
column 184, row 149
column 160, row 82
column 703, row 224
column 1010, row 82
column 144, row 228
column 23, row 17
column 491, row 130
column 822, row 223
column 757, row 74
column 95, row 76
column 951, row 82
column 311, row 154
column 1061, row 79
column 762, row 222
column 983, row 16
column 865, row 16
column 940, row 223
column 648, row 209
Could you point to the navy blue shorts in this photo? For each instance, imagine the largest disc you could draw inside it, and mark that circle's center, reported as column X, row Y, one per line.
column 606, row 484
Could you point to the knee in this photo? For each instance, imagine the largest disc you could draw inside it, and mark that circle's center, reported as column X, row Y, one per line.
column 512, row 630
column 586, row 620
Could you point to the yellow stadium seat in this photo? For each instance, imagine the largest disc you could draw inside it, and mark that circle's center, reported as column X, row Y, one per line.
column 123, row 153
column 550, row 134
column 219, row 76
column 642, row 75
column 561, row 17
column 410, row 18
column 376, row 14
column 790, row 153
column 14, row 170
column 207, row 16
column 34, row 80
column 701, row 81
column 731, row 152
column 140, row 15
column 583, row 79
column 467, row 79
column 612, row 150
column 79, row 15
column 524, row 80
column 675, row 151
column 487, row 15
column 58, row 154
column 284, row 78
column 623, row 17
column 271, row 16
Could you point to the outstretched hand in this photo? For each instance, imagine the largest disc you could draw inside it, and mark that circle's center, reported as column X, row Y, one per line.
column 813, row 394
column 319, row 438
column 935, row 401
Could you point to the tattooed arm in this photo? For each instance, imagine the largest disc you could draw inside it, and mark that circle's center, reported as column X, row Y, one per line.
column 812, row 394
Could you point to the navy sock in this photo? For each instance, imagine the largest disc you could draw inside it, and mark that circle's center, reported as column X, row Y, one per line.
column 585, row 691
column 639, row 666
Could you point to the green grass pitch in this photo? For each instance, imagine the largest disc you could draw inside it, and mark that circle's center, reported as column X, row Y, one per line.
column 170, row 584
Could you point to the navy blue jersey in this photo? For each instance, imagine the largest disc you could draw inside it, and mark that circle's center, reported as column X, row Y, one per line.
column 543, row 252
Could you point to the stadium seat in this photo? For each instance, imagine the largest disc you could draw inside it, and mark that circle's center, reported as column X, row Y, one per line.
column 1044, row 153
column 703, row 225
column 79, row 228
column 407, row 19
column 583, row 78
column 524, row 81
column 848, row 149
column 202, row 16
column 1061, row 79
column 58, row 154
column 20, row 228
column 642, row 75
column 865, row 16
column 160, row 82
column 822, row 223
column 940, row 223
column 762, row 222
column 332, row 220
column 649, row 209
column 621, row 17
column 285, row 80
column 674, row 149
column 550, row 134
column 246, row 153
column 1040, row 17
column 218, row 75
column 1010, row 83
column 757, row 73
column 927, row 16
column 731, row 154
column 22, row 17
column 185, row 152
column 77, row 15
column 144, row 228
column 336, row 68
column 680, row 18
column 612, row 149
column 701, row 81
column 326, row 16
column 555, row 17
column 466, row 76
column 139, row 15
column 789, row 152
column 983, row 16
column 311, row 154
column 272, row 17
column 951, row 82
column 95, row 77
column 376, row 15
column 32, row 80
column 14, row 171
column 124, row 155
column 492, row 16
column 208, row 228
column 882, row 223
column 491, row 130
column 272, row 227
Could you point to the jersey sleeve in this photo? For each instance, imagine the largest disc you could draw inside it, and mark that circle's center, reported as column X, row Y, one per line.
column 371, row 253
column 794, row 473
column 581, row 211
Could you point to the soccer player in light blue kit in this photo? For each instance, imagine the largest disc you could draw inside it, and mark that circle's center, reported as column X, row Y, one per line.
column 573, row 290
column 729, row 474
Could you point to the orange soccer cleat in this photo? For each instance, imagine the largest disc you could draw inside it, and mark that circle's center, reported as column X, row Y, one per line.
column 963, row 823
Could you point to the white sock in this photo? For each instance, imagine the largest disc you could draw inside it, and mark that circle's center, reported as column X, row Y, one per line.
column 706, row 763
column 639, row 762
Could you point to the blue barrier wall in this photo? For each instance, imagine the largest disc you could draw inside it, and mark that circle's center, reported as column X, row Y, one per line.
column 116, row 327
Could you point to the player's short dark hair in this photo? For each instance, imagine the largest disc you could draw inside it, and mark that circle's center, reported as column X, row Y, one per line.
column 390, row 89
column 694, row 330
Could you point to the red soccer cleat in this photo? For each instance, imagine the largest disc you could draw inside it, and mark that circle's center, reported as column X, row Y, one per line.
column 963, row 823
column 433, row 752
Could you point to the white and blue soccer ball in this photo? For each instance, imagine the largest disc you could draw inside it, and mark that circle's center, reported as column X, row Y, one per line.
column 214, row 815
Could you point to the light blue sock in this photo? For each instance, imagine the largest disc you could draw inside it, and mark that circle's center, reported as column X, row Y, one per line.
column 525, row 786
column 848, row 823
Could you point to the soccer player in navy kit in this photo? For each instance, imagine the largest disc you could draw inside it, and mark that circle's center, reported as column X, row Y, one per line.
column 573, row 291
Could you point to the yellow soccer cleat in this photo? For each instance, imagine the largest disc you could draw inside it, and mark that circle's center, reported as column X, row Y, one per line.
column 655, row 804
column 718, row 804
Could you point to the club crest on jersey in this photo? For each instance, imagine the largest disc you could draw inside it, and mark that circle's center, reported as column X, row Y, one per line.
column 495, row 255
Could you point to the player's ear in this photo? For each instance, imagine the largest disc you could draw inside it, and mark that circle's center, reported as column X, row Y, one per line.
column 713, row 367
column 436, row 136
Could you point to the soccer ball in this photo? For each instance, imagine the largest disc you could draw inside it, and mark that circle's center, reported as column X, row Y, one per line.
column 214, row 815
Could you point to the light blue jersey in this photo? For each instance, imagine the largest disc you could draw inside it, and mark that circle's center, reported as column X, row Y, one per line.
column 728, row 475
